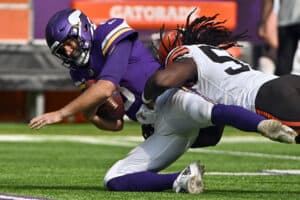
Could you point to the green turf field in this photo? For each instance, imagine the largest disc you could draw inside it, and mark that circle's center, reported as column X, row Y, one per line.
column 69, row 162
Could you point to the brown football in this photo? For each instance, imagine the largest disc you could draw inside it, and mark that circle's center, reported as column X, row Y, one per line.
column 112, row 108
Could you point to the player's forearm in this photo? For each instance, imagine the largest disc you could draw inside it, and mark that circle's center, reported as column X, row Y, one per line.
column 175, row 75
column 93, row 96
column 152, row 90
column 267, row 7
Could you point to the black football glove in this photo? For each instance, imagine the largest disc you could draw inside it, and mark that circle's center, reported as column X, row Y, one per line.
column 147, row 130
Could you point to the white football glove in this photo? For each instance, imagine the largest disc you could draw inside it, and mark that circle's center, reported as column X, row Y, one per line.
column 146, row 115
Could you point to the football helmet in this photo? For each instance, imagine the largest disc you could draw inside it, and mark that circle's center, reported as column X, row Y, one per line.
column 168, row 41
column 70, row 24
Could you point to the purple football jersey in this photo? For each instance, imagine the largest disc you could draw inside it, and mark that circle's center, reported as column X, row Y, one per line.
column 131, row 77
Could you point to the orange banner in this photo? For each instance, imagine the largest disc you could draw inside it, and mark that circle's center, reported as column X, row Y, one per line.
column 16, row 24
column 14, row 1
column 152, row 14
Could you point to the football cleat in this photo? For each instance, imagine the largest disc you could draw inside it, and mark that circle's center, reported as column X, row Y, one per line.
column 276, row 131
column 190, row 179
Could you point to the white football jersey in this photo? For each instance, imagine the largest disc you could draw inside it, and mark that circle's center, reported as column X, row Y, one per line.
column 223, row 78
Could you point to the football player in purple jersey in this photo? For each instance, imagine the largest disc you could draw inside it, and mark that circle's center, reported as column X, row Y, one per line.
column 112, row 55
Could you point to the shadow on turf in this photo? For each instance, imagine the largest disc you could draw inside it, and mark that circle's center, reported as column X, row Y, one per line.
column 53, row 187
column 99, row 188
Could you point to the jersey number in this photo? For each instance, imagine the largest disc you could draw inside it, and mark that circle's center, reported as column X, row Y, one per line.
column 222, row 59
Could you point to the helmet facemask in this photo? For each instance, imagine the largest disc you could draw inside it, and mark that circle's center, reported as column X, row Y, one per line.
column 79, row 56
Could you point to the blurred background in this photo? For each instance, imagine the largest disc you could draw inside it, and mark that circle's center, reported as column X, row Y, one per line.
column 32, row 81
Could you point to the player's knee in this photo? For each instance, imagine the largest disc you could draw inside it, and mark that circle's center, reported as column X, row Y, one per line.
column 113, row 185
column 112, row 173
column 122, row 183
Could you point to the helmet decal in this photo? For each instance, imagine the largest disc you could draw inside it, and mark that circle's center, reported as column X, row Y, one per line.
column 74, row 17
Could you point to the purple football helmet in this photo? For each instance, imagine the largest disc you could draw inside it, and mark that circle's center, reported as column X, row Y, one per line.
column 66, row 24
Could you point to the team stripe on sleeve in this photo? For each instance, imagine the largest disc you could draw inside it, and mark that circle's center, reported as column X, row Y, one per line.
column 113, row 35
column 293, row 124
column 177, row 52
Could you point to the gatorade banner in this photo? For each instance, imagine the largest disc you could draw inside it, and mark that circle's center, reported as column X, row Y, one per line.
column 152, row 14
column 15, row 20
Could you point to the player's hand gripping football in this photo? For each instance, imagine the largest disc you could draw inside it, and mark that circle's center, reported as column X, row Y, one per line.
column 44, row 119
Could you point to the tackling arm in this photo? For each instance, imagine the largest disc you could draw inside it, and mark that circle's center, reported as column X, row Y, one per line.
column 176, row 74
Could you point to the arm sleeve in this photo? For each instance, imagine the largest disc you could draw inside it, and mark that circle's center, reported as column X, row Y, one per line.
column 236, row 116
column 116, row 62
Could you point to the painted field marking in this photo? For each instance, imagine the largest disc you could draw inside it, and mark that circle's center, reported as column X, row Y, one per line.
column 250, row 154
column 16, row 197
column 100, row 139
column 132, row 141
column 265, row 172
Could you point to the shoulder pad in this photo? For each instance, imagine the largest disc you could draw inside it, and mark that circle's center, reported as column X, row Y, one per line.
column 176, row 53
column 111, row 32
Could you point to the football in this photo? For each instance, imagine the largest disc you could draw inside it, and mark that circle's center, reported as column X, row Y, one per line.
column 112, row 108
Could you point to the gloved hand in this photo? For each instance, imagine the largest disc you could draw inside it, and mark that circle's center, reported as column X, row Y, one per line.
column 147, row 130
column 146, row 115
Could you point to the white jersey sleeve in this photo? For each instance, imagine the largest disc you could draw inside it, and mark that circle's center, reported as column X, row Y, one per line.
column 223, row 78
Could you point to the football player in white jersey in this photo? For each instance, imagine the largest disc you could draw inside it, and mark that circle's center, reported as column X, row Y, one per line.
column 198, row 52
column 177, row 117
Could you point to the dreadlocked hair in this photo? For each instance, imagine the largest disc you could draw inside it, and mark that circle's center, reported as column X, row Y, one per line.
column 206, row 30
column 203, row 30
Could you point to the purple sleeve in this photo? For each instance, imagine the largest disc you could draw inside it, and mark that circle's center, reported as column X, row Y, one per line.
column 117, row 62
column 236, row 116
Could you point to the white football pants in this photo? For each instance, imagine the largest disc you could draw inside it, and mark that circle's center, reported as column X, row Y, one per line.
column 180, row 115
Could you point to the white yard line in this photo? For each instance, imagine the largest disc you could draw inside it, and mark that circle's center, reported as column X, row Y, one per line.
column 267, row 172
column 249, row 154
column 97, row 139
column 131, row 141
column 15, row 197
column 105, row 140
